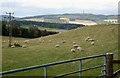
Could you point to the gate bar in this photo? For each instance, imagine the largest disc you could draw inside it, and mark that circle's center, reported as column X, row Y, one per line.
column 78, row 71
column 45, row 72
column 45, row 65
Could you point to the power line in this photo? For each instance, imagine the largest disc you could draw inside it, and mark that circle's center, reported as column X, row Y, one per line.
column 10, row 27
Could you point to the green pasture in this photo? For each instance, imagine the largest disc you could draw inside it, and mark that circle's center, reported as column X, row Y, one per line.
column 42, row 51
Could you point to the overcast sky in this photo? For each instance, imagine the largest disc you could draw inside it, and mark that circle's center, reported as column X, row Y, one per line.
column 23, row 8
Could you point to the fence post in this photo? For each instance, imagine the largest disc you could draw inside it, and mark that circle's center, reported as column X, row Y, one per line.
column 109, row 65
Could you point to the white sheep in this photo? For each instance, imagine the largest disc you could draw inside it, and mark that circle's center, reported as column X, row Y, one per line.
column 16, row 41
column 75, row 45
column 79, row 48
column 4, row 41
column 24, row 46
column 92, row 43
column 72, row 50
column 74, row 42
column 50, row 40
column 12, row 46
column 86, row 39
column 26, row 41
column 63, row 41
column 91, row 39
column 57, row 45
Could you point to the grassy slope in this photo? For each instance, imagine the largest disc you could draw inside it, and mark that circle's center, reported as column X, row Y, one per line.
column 41, row 53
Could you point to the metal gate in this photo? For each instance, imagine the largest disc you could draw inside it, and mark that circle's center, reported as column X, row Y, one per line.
column 80, row 70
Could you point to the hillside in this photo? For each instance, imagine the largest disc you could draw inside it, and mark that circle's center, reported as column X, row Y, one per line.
column 65, row 18
column 43, row 50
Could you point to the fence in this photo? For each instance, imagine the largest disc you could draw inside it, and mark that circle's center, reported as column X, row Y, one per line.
column 106, row 72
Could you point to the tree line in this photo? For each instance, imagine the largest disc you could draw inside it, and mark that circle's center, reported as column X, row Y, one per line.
column 52, row 25
column 17, row 31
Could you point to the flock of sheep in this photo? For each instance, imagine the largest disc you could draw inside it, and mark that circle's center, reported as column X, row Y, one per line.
column 13, row 46
column 76, row 47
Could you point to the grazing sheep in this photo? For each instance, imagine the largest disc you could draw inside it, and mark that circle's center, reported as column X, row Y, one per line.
column 24, row 46
column 4, row 41
column 26, row 41
column 86, row 39
column 63, row 41
column 39, row 38
column 74, row 42
column 75, row 45
column 57, row 45
column 79, row 48
column 50, row 40
column 72, row 50
column 91, row 39
column 92, row 43
column 12, row 46
column 16, row 41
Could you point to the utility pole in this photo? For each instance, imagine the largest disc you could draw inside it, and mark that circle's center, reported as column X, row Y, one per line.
column 10, row 27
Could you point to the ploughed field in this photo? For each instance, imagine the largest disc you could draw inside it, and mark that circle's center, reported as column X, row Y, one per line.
column 58, row 47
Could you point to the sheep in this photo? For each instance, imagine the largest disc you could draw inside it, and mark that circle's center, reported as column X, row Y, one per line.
column 26, row 41
column 24, row 46
column 57, row 45
column 74, row 42
column 63, row 41
column 92, row 43
column 75, row 45
column 79, row 48
column 91, row 39
column 86, row 39
column 39, row 39
column 72, row 50
column 4, row 41
column 12, row 46
column 15, row 41
column 50, row 40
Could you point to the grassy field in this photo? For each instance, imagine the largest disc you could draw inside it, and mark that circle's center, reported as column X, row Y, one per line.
column 43, row 52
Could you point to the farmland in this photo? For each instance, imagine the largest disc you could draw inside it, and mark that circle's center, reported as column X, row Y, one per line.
column 42, row 51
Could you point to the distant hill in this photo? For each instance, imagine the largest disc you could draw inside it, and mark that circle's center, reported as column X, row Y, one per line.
column 64, row 18
column 68, row 18
column 5, row 17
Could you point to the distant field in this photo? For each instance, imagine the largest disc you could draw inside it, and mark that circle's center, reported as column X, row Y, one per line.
column 43, row 51
column 84, row 22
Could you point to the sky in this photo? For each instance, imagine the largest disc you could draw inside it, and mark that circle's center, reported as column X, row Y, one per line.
column 22, row 8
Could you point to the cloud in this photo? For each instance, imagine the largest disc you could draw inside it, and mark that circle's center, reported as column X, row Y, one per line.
column 64, row 3
column 85, row 4
column 59, row 6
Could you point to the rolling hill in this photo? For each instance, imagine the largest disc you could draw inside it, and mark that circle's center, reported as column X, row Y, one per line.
column 43, row 50
column 65, row 18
